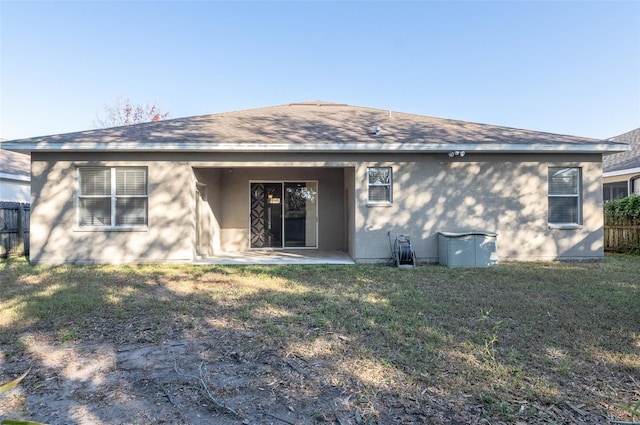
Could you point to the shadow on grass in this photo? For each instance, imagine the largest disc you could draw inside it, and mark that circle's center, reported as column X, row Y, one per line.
column 311, row 343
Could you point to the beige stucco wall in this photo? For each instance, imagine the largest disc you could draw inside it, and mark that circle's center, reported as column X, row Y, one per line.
column 350, row 208
column 210, row 210
column 506, row 194
column 55, row 238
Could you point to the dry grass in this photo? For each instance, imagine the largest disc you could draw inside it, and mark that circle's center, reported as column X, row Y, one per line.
column 514, row 342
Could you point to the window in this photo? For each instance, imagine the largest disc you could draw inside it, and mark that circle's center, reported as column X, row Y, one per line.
column 112, row 197
column 614, row 191
column 564, row 195
column 379, row 185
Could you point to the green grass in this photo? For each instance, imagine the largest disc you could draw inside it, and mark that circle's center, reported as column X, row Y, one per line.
column 521, row 334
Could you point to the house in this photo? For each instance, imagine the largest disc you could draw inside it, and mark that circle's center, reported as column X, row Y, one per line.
column 312, row 176
column 621, row 175
column 14, row 176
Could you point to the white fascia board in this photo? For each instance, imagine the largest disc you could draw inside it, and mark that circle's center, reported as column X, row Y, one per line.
column 621, row 172
column 15, row 177
column 309, row 147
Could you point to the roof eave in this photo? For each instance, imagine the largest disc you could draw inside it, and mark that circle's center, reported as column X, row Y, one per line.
column 622, row 172
column 27, row 147
column 15, row 177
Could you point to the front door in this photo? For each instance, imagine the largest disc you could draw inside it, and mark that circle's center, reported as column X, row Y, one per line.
column 284, row 214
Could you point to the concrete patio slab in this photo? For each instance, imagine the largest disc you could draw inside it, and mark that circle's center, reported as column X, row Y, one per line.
column 278, row 257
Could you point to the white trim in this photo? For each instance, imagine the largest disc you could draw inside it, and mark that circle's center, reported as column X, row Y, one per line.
column 312, row 147
column 112, row 194
column 565, row 226
column 113, row 201
column 388, row 202
column 140, row 228
column 76, row 199
column 16, row 177
column 621, row 172
column 577, row 196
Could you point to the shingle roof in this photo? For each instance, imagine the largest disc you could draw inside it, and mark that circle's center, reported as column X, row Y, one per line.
column 625, row 160
column 14, row 164
column 311, row 126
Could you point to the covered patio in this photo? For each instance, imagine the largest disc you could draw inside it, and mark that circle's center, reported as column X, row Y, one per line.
column 245, row 212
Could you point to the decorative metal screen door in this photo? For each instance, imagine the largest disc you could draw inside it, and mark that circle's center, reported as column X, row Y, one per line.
column 266, row 215
column 258, row 239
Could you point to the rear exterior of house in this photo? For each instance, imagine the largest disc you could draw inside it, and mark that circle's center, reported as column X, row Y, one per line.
column 311, row 177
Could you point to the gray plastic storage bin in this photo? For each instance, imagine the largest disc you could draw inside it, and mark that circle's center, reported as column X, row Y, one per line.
column 467, row 249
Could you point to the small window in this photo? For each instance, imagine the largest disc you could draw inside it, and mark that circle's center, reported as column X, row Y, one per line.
column 379, row 183
column 564, row 195
column 112, row 197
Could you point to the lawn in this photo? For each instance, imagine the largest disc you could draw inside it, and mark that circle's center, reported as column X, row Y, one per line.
column 364, row 344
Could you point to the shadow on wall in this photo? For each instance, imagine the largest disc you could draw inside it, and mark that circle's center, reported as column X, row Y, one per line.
column 55, row 237
column 479, row 193
column 505, row 197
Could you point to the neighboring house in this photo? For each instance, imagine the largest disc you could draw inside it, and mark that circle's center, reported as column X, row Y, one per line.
column 315, row 175
column 15, row 176
column 621, row 175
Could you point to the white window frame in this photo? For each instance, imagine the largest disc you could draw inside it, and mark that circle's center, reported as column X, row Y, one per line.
column 577, row 196
column 387, row 202
column 113, row 200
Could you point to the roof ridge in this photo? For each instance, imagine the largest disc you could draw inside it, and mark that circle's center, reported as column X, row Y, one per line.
column 317, row 103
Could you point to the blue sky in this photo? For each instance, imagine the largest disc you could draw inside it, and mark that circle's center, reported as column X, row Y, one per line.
column 569, row 67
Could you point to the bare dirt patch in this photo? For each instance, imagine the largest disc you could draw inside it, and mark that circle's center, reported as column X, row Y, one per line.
column 211, row 381
column 192, row 383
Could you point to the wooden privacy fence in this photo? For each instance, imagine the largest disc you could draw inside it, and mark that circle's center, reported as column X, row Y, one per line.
column 14, row 228
column 621, row 237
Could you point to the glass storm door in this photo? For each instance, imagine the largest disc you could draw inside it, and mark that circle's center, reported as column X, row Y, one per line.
column 300, row 205
column 284, row 214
